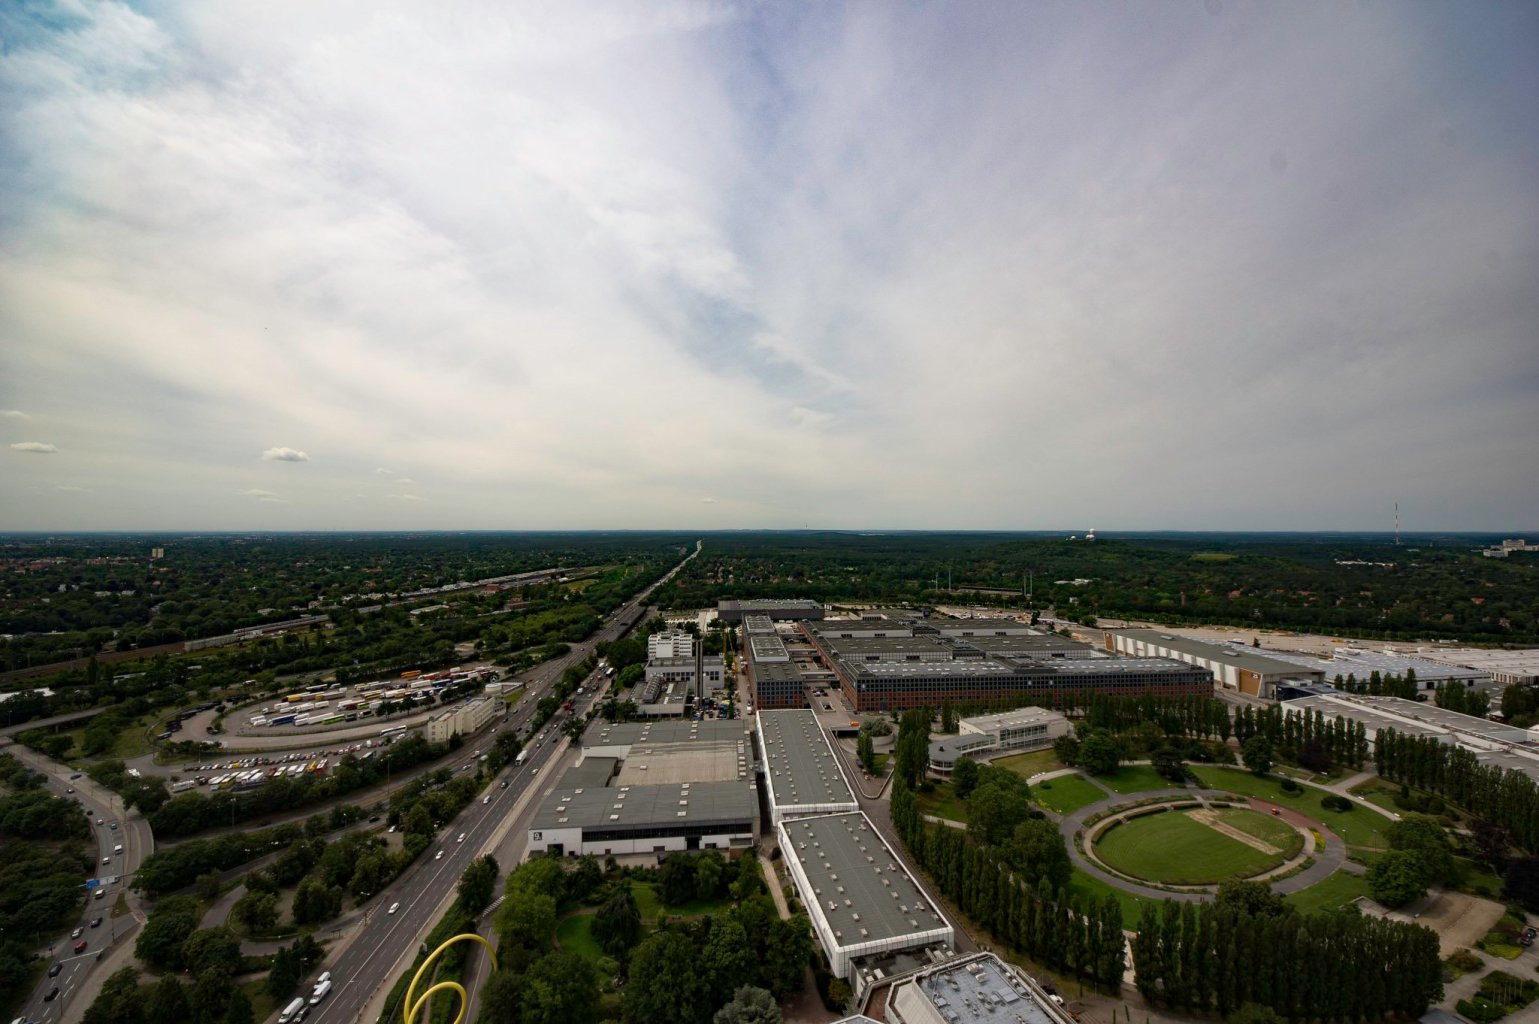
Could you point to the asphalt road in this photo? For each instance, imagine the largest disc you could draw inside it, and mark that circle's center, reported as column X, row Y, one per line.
column 133, row 833
column 371, row 962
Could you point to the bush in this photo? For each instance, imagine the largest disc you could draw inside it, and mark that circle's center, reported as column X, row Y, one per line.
column 1480, row 1009
column 1333, row 802
column 1289, row 786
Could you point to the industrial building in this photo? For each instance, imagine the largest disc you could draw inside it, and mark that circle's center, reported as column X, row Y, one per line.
column 884, row 667
column 462, row 719
column 1491, row 742
column 1506, row 668
column 864, row 906
column 1012, row 731
column 794, row 608
column 682, row 672
column 653, row 788
column 1232, row 666
column 773, row 680
column 801, row 773
column 1362, row 663
column 980, row 987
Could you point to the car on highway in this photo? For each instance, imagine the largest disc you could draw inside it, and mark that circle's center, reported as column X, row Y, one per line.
column 80, row 947
column 393, row 908
column 70, row 790
column 439, row 855
column 101, row 821
column 503, row 784
column 486, row 799
column 112, row 825
column 77, row 932
column 53, row 972
column 96, row 922
column 77, row 775
column 461, row 839
column 99, row 894
column 106, row 860
column 53, row 994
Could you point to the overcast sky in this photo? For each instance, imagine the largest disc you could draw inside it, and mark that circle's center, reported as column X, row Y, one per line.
column 1206, row 265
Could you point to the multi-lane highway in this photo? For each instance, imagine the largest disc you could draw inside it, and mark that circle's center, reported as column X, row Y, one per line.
column 133, row 835
column 385, row 942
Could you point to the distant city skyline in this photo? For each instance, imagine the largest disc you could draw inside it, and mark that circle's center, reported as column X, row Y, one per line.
column 995, row 266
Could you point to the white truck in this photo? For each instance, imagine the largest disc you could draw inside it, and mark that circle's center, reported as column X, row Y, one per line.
column 291, row 1011
column 320, row 992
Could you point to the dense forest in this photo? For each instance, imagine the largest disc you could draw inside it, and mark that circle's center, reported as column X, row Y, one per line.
column 1435, row 588
column 367, row 632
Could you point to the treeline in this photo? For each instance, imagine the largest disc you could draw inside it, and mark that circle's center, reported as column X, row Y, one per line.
column 1052, row 926
column 1377, row 685
column 189, row 813
column 1334, row 967
column 1307, row 738
column 177, row 867
column 1487, row 791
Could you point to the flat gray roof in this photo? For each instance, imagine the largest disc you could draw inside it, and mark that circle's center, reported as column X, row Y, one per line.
column 590, row 772
column 857, row 881
column 776, row 671
column 983, row 983
column 976, row 627
column 1068, row 667
column 643, row 807
column 800, row 767
column 1013, row 719
column 1225, row 654
column 1026, row 646
column 767, row 646
column 602, row 733
column 1363, row 663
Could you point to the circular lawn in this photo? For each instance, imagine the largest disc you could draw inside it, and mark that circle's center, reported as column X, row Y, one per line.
column 1197, row 846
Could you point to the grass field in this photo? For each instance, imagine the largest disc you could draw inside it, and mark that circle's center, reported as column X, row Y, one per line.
column 1083, row 885
column 1357, row 827
column 1176, row 849
column 943, row 803
column 1067, row 793
column 1269, row 830
column 574, row 936
column 1034, row 763
column 1335, row 892
column 1134, row 778
column 651, row 906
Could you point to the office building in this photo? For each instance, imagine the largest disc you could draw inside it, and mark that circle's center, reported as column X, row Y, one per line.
column 1009, row 732
column 462, row 719
column 980, row 987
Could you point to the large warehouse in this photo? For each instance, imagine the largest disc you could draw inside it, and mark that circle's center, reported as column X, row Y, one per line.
column 801, row 773
column 863, row 904
column 775, row 608
column 1232, row 666
column 653, row 787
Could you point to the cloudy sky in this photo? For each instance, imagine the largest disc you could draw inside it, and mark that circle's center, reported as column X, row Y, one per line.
column 298, row 265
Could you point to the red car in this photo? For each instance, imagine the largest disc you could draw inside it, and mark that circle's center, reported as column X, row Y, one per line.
column 80, row 947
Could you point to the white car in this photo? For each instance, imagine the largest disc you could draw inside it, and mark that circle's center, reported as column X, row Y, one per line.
column 461, row 839
column 486, row 799
column 439, row 855
column 393, row 908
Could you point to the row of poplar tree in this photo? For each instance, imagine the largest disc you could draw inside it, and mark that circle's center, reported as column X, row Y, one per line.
column 1329, row 967
column 1292, row 732
column 1489, row 792
column 1054, row 927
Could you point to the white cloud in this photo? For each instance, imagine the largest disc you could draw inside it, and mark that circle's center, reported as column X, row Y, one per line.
column 36, row 447
column 406, row 481
column 14, row 414
column 707, row 501
column 71, row 488
column 256, row 492
column 855, row 290
column 407, row 497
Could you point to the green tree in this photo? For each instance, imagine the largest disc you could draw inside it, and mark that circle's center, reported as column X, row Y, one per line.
column 1257, row 752
column 283, row 976
column 207, row 886
column 1398, row 878
column 238, row 1009
column 964, row 777
column 1036, row 850
column 616, row 927
column 118, row 1002
column 209, row 948
column 994, row 811
column 160, row 942
column 166, row 1000
column 1424, row 835
column 749, row 1005
column 256, row 911
column 726, row 958
column 559, row 988
column 676, row 879
column 1253, row 1013
column 785, row 955
column 1099, row 752
column 665, row 984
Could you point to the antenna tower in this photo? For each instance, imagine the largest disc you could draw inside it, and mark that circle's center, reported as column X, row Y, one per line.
column 1397, row 524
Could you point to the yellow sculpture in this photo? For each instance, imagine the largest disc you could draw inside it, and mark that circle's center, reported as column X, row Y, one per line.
column 413, row 1005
